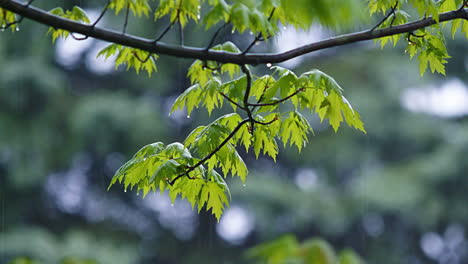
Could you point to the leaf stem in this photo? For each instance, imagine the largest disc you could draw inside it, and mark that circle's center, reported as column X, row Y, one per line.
column 232, row 101
column 127, row 13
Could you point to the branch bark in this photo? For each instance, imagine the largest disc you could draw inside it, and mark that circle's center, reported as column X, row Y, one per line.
column 160, row 48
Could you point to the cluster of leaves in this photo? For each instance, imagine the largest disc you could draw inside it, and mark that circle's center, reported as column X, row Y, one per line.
column 431, row 49
column 133, row 58
column 154, row 167
column 189, row 169
column 287, row 249
column 428, row 44
column 7, row 18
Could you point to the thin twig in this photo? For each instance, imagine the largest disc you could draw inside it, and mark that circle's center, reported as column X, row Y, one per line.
column 258, row 38
column 263, row 94
column 281, row 100
column 126, row 20
column 392, row 11
column 266, row 123
column 164, row 32
column 232, row 101
column 142, row 60
column 28, row 3
column 212, row 153
column 248, row 75
column 169, row 26
column 205, row 66
column 215, row 35
column 464, row 4
column 103, row 12
column 181, row 34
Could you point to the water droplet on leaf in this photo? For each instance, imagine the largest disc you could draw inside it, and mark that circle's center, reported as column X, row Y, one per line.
column 172, row 204
column 243, row 185
column 188, row 116
column 268, row 65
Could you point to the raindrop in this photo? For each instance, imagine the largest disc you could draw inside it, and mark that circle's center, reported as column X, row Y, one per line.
column 138, row 194
column 172, row 204
column 125, row 190
column 188, row 116
column 243, row 185
column 268, row 65
column 17, row 29
column 198, row 16
column 250, row 33
column 257, row 43
column 284, row 27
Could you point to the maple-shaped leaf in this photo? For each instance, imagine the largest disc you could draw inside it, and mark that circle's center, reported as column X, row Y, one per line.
column 295, row 129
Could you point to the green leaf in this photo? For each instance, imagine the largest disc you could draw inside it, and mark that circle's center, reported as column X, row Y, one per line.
column 348, row 256
column 198, row 73
column 239, row 17
column 214, row 196
column 295, row 129
column 264, row 139
column 211, row 95
column 220, row 12
column 235, row 90
column 333, row 113
column 7, row 17
column 263, row 87
column 317, row 251
column 181, row 10
column 133, row 58
column 276, row 251
column 138, row 7
column 230, row 68
column 189, row 99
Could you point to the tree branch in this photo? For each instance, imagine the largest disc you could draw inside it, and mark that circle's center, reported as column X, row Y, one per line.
column 46, row 18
